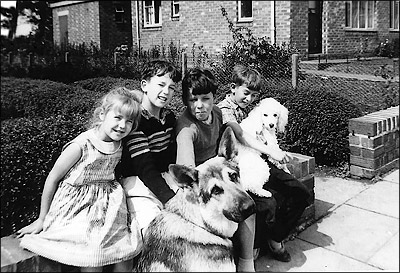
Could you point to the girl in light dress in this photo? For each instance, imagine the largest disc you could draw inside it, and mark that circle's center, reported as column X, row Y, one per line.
column 84, row 220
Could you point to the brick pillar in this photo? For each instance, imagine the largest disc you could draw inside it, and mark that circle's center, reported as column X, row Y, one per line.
column 374, row 143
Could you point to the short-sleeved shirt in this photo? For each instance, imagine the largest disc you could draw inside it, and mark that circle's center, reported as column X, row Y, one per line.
column 231, row 112
column 198, row 137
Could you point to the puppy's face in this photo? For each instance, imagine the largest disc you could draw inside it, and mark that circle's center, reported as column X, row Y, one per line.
column 274, row 115
column 270, row 118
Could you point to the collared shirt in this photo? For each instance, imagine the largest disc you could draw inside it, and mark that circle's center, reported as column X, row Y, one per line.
column 230, row 110
column 163, row 114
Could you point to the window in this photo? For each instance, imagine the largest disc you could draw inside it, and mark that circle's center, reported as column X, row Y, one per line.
column 175, row 8
column 394, row 15
column 245, row 11
column 152, row 13
column 119, row 14
column 360, row 14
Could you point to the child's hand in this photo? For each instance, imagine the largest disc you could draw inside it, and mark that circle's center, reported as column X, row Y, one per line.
column 33, row 228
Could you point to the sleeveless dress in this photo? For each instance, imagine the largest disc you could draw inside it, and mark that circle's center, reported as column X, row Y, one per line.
column 88, row 224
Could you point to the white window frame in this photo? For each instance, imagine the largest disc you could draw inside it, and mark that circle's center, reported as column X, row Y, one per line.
column 175, row 7
column 149, row 14
column 241, row 17
column 360, row 15
column 119, row 9
column 394, row 15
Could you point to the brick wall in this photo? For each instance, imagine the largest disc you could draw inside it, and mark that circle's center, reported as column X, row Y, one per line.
column 302, row 167
column 336, row 39
column 83, row 23
column 298, row 25
column 374, row 143
column 202, row 23
column 114, row 34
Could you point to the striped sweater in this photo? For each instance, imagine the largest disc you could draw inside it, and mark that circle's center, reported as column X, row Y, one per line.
column 148, row 151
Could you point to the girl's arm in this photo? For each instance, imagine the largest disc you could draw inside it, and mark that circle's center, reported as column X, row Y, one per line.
column 247, row 139
column 65, row 161
column 185, row 148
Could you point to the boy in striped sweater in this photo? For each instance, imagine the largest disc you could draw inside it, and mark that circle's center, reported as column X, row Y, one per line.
column 149, row 150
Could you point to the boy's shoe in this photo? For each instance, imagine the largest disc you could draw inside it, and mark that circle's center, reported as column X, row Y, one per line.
column 281, row 254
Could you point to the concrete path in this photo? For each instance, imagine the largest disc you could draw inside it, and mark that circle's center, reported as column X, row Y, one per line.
column 357, row 229
column 362, row 77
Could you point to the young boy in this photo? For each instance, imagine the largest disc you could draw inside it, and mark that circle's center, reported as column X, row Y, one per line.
column 149, row 150
column 245, row 86
column 198, row 131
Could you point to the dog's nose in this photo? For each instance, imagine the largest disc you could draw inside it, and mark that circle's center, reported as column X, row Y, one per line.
column 271, row 125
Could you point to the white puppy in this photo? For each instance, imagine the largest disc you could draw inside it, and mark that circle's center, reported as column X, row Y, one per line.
column 263, row 122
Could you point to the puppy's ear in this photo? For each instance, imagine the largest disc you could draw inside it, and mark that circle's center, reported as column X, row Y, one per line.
column 283, row 118
column 183, row 175
column 228, row 144
column 253, row 124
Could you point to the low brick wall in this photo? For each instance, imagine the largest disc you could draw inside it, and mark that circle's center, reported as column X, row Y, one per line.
column 302, row 167
column 16, row 259
column 374, row 143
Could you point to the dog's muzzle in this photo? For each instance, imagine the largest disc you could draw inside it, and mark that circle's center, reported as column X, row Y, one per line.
column 245, row 208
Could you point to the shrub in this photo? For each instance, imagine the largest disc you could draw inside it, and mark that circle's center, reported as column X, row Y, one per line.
column 388, row 48
column 29, row 149
column 41, row 98
column 104, row 84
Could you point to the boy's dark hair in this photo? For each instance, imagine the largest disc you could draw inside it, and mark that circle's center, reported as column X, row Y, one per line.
column 200, row 81
column 248, row 76
column 160, row 68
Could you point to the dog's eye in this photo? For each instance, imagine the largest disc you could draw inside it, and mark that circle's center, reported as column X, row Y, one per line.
column 265, row 115
column 216, row 190
column 275, row 115
column 234, row 177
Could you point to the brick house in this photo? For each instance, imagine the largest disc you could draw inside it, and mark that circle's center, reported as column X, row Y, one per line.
column 315, row 27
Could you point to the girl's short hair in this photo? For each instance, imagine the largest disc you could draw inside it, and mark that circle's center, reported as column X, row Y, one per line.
column 247, row 76
column 199, row 81
column 160, row 68
column 124, row 100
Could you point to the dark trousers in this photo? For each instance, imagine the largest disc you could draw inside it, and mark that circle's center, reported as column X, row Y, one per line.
column 278, row 215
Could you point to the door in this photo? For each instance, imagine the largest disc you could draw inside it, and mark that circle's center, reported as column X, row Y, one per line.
column 314, row 27
column 63, row 30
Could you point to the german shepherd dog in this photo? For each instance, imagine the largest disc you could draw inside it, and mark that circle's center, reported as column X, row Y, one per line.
column 193, row 232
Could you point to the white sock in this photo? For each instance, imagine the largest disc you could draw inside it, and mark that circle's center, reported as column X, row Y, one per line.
column 245, row 265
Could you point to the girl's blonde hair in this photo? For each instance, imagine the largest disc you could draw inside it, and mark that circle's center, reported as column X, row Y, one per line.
column 125, row 101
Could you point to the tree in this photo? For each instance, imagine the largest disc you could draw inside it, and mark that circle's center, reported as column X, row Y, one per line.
column 39, row 14
column 10, row 19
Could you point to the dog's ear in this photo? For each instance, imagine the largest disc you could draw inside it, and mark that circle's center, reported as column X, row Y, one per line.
column 253, row 124
column 184, row 176
column 283, row 118
column 228, row 145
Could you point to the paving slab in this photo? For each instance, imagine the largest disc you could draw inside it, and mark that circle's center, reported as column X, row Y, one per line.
column 392, row 176
column 331, row 192
column 352, row 232
column 380, row 198
column 385, row 257
column 307, row 257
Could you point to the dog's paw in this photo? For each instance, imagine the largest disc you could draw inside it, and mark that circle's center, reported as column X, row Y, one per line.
column 263, row 193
